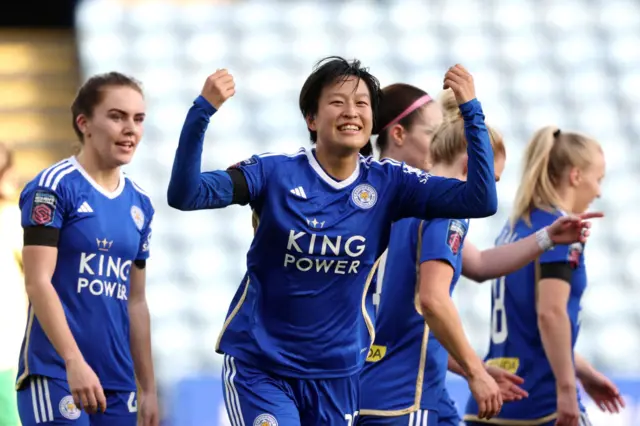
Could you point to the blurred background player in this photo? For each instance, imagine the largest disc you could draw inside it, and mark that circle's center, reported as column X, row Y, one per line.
column 13, row 300
column 323, row 221
column 562, row 175
column 389, row 383
column 86, row 240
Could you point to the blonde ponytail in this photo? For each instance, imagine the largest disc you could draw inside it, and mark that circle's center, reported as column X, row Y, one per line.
column 535, row 184
column 548, row 155
column 450, row 140
column 449, row 105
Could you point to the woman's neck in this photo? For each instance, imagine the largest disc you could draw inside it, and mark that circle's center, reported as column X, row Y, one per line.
column 398, row 154
column 106, row 177
column 446, row 171
column 338, row 166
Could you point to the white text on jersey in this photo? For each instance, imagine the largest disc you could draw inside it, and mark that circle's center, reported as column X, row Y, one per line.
column 303, row 243
column 103, row 275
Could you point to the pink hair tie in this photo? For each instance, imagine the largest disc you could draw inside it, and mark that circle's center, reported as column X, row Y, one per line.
column 414, row 106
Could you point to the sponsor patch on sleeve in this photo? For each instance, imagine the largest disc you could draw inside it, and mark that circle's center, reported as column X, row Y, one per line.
column 455, row 235
column 248, row 162
column 145, row 245
column 575, row 251
column 43, row 208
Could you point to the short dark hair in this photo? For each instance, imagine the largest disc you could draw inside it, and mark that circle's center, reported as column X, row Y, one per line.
column 91, row 94
column 327, row 71
column 396, row 98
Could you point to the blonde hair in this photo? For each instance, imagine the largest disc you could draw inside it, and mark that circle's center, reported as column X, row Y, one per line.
column 548, row 155
column 450, row 141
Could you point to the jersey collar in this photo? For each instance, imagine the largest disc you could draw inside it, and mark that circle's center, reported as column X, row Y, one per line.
column 328, row 179
column 109, row 194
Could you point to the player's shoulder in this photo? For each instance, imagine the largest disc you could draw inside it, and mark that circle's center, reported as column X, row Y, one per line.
column 543, row 217
column 446, row 223
column 55, row 178
column 391, row 168
column 275, row 158
column 445, row 229
column 142, row 195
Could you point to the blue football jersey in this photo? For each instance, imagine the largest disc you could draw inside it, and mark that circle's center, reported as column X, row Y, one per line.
column 406, row 367
column 301, row 309
column 515, row 343
column 101, row 234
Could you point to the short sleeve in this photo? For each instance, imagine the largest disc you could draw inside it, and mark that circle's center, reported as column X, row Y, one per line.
column 570, row 254
column 145, row 236
column 442, row 239
column 43, row 206
column 254, row 171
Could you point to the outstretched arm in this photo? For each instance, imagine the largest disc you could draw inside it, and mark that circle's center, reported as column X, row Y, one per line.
column 506, row 258
column 602, row 391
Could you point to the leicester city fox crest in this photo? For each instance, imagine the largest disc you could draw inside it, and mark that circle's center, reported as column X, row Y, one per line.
column 138, row 217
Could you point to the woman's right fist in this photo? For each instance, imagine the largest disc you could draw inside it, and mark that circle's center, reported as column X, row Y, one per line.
column 218, row 87
column 460, row 81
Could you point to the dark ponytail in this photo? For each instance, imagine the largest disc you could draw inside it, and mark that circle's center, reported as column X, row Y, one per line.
column 400, row 104
column 367, row 150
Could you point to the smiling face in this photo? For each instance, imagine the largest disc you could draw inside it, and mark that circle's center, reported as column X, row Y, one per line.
column 116, row 125
column 344, row 120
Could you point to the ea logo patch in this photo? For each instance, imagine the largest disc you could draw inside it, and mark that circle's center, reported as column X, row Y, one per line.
column 265, row 420
column 43, row 208
column 364, row 196
column 68, row 408
column 138, row 217
column 455, row 235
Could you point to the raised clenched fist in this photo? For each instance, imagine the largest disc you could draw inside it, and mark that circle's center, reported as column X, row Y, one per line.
column 460, row 81
column 218, row 87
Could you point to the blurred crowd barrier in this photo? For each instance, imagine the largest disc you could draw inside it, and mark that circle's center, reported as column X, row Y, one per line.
column 201, row 403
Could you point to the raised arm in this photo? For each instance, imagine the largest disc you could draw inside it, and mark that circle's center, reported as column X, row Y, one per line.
column 189, row 188
column 509, row 257
column 429, row 197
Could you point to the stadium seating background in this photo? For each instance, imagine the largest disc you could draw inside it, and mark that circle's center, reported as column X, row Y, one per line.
column 574, row 63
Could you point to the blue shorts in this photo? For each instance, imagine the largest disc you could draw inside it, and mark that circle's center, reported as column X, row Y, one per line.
column 255, row 397
column 584, row 421
column 447, row 411
column 417, row 418
column 43, row 400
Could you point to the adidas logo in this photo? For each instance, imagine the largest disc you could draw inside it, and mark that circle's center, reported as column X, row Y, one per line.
column 299, row 192
column 85, row 208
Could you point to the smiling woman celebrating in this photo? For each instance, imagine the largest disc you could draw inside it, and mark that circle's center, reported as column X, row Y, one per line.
column 297, row 332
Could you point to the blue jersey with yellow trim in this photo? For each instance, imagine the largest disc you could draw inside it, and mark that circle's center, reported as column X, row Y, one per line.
column 300, row 311
column 515, row 343
column 406, row 367
column 312, row 260
column 101, row 234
